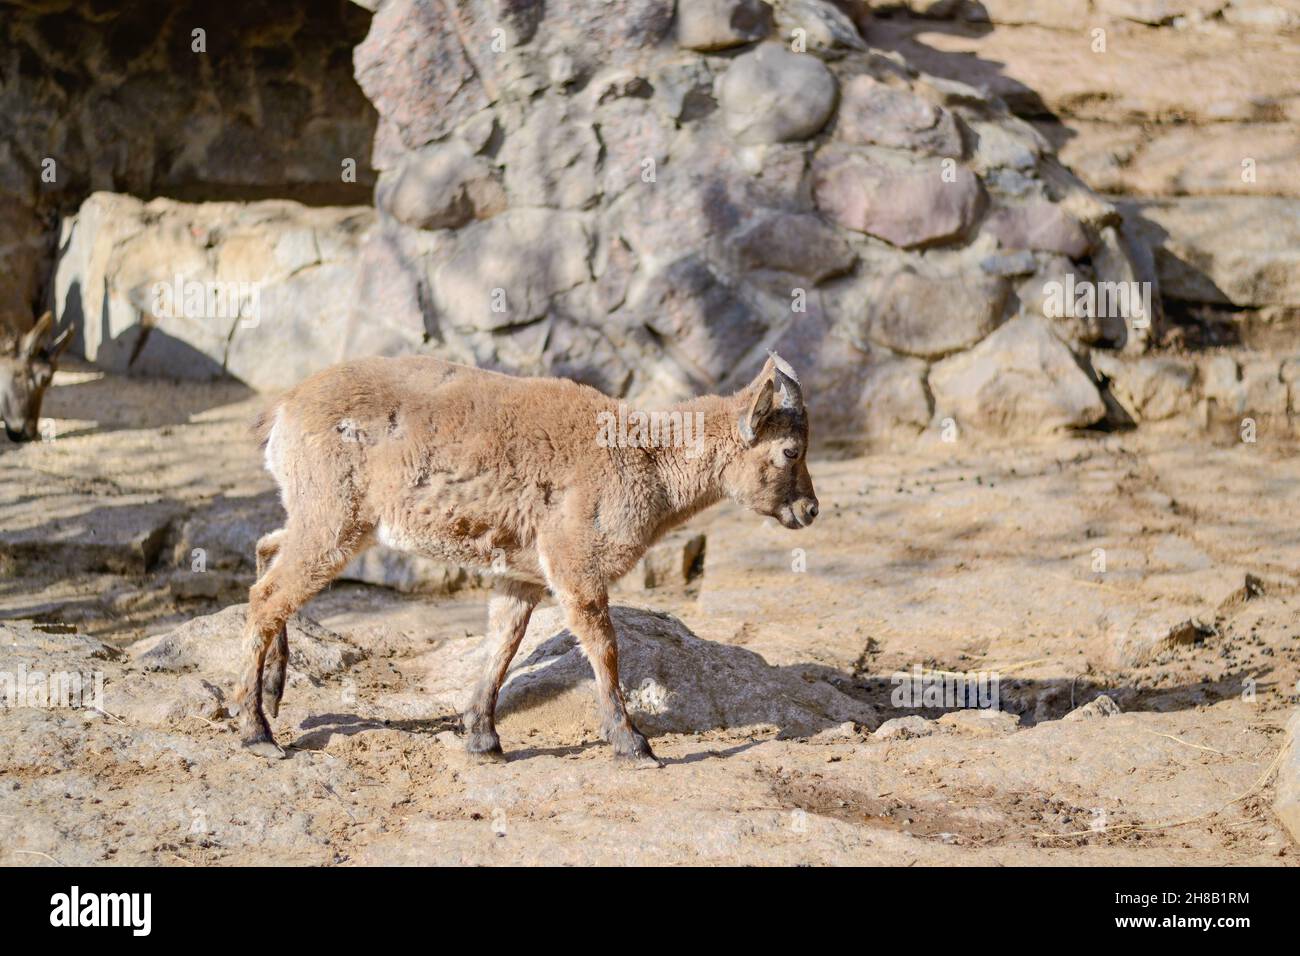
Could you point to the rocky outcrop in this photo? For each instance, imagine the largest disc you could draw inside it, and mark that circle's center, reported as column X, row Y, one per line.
column 1191, row 104
column 647, row 200
column 596, row 193
column 263, row 292
column 155, row 97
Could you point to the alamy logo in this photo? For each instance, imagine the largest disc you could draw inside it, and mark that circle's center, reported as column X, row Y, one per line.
column 207, row 300
column 58, row 689
column 75, row 908
column 945, row 689
column 1130, row 301
column 637, row 429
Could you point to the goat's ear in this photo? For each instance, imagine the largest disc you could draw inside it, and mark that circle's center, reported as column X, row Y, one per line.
column 759, row 407
column 787, row 382
column 35, row 340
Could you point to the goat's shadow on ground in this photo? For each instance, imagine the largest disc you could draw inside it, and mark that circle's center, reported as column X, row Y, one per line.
column 1036, row 701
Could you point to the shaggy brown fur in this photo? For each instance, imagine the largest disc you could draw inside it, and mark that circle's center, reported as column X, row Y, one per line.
column 508, row 475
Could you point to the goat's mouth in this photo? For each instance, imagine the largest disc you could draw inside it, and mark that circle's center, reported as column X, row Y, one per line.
column 17, row 435
column 789, row 518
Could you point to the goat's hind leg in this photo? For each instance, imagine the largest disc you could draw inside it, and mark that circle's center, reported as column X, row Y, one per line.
column 306, row 562
column 509, row 609
column 277, row 657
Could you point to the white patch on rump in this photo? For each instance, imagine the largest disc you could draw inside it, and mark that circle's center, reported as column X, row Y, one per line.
column 271, row 460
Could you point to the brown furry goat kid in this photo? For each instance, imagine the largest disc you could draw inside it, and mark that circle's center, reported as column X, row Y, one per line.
column 515, row 475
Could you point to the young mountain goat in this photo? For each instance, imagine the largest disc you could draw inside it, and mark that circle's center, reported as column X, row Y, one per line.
column 26, row 374
column 507, row 474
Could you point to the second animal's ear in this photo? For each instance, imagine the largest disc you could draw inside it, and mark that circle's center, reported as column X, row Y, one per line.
column 753, row 415
column 35, row 340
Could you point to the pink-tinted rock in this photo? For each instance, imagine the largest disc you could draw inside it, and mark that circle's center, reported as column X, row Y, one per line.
column 1040, row 226
column 872, row 112
column 907, row 207
column 792, row 242
column 412, row 67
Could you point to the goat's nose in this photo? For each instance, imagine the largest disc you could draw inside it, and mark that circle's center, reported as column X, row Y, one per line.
column 806, row 510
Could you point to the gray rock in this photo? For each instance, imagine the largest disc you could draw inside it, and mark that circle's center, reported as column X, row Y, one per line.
column 264, row 288
column 981, row 722
column 771, row 95
column 1022, row 377
column 905, row 728
column 719, row 24
column 852, row 394
column 707, row 325
column 872, row 112
column 529, row 255
column 1040, row 226
column 213, row 646
column 673, row 681
column 674, row 561
column 924, row 315
column 907, row 207
column 413, row 67
column 408, row 573
column 1020, row 263
column 440, row 187
column 825, row 29
column 154, row 700
column 796, row 243
column 1149, row 389
column 1129, row 639
column 551, row 159
column 123, row 534
column 1101, row 706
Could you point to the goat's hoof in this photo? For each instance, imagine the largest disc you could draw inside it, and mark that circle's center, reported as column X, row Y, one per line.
column 265, row 747
column 485, row 747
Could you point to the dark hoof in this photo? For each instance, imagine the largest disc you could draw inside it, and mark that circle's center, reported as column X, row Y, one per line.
column 631, row 746
column 265, row 748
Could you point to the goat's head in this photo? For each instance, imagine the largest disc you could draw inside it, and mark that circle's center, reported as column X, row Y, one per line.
column 25, row 375
column 770, row 475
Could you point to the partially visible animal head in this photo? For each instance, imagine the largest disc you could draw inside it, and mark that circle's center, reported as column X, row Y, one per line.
column 25, row 374
column 770, row 475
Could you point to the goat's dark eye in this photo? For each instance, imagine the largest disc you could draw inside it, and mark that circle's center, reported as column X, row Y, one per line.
column 790, row 453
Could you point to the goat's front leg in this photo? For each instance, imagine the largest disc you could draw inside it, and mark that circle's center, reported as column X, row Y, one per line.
column 509, row 609
column 587, row 611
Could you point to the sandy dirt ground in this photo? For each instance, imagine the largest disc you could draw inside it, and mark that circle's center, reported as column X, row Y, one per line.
column 1159, row 570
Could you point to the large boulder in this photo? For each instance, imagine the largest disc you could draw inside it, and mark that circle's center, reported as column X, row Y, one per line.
column 213, row 647
column 674, row 682
column 909, row 206
column 258, row 291
column 1022, row 377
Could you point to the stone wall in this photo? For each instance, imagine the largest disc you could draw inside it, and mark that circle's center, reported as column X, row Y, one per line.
column 115, row 96
column 647, row 196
